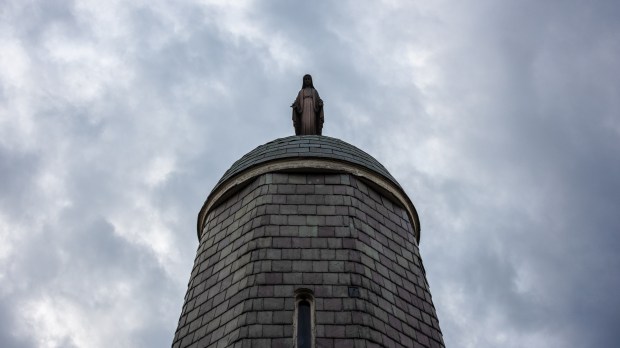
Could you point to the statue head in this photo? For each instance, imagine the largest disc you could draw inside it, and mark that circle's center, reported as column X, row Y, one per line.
column 307, row 81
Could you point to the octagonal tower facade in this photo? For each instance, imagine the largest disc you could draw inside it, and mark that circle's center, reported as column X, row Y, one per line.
column 305, row 242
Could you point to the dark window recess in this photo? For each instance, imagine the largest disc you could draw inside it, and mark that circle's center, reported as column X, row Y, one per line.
column 304, row 325
column 354, row 292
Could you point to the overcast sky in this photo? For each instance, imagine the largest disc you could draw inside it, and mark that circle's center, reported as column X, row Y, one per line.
column 501, row 119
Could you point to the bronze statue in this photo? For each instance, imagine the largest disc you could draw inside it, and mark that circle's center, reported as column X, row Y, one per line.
column 308, row 110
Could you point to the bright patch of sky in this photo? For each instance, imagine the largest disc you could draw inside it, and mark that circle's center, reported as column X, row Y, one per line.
column 499, row 118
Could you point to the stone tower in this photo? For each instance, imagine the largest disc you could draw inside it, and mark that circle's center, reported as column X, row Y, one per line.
column 307, row 241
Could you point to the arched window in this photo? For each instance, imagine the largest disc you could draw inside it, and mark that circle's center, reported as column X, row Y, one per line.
column 304, row 318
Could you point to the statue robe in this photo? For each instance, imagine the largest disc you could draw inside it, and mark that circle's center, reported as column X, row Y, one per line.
column 308, row 112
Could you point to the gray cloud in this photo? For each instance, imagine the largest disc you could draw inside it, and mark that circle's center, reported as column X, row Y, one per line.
column 499, row 119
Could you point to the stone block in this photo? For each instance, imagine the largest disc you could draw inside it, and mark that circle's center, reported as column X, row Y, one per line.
column 326, row 231
column 335, row 330
column 312, row 278
column 302, row 266
column 307, row 209
column 319, row 243
column 273, row 304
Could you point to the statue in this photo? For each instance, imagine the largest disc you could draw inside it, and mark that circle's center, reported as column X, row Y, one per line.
column 308, row 110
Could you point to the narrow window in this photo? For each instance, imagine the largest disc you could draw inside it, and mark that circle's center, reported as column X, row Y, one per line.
column 304, row 326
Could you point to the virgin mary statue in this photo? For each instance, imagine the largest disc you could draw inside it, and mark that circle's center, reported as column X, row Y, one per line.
column 308, row 110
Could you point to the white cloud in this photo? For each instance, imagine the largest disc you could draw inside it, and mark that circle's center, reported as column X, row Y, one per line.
column 498, row 118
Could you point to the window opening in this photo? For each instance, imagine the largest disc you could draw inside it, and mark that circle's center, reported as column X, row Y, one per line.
column 304, row 325
column 304, row 318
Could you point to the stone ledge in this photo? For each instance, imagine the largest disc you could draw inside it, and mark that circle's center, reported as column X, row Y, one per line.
column 233, row 184
column 306, row 146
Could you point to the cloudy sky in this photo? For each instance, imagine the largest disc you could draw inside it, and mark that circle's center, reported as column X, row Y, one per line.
column 501, row 119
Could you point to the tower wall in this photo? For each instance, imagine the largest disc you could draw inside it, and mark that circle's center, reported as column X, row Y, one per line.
column 342, row 237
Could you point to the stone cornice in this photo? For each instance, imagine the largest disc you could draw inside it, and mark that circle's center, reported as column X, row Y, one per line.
column 262, row 160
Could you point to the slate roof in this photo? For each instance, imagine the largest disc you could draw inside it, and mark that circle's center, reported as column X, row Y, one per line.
column 306, row 146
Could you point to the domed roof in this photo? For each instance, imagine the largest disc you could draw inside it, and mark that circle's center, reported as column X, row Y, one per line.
column 308, row 153
column 306, row 146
